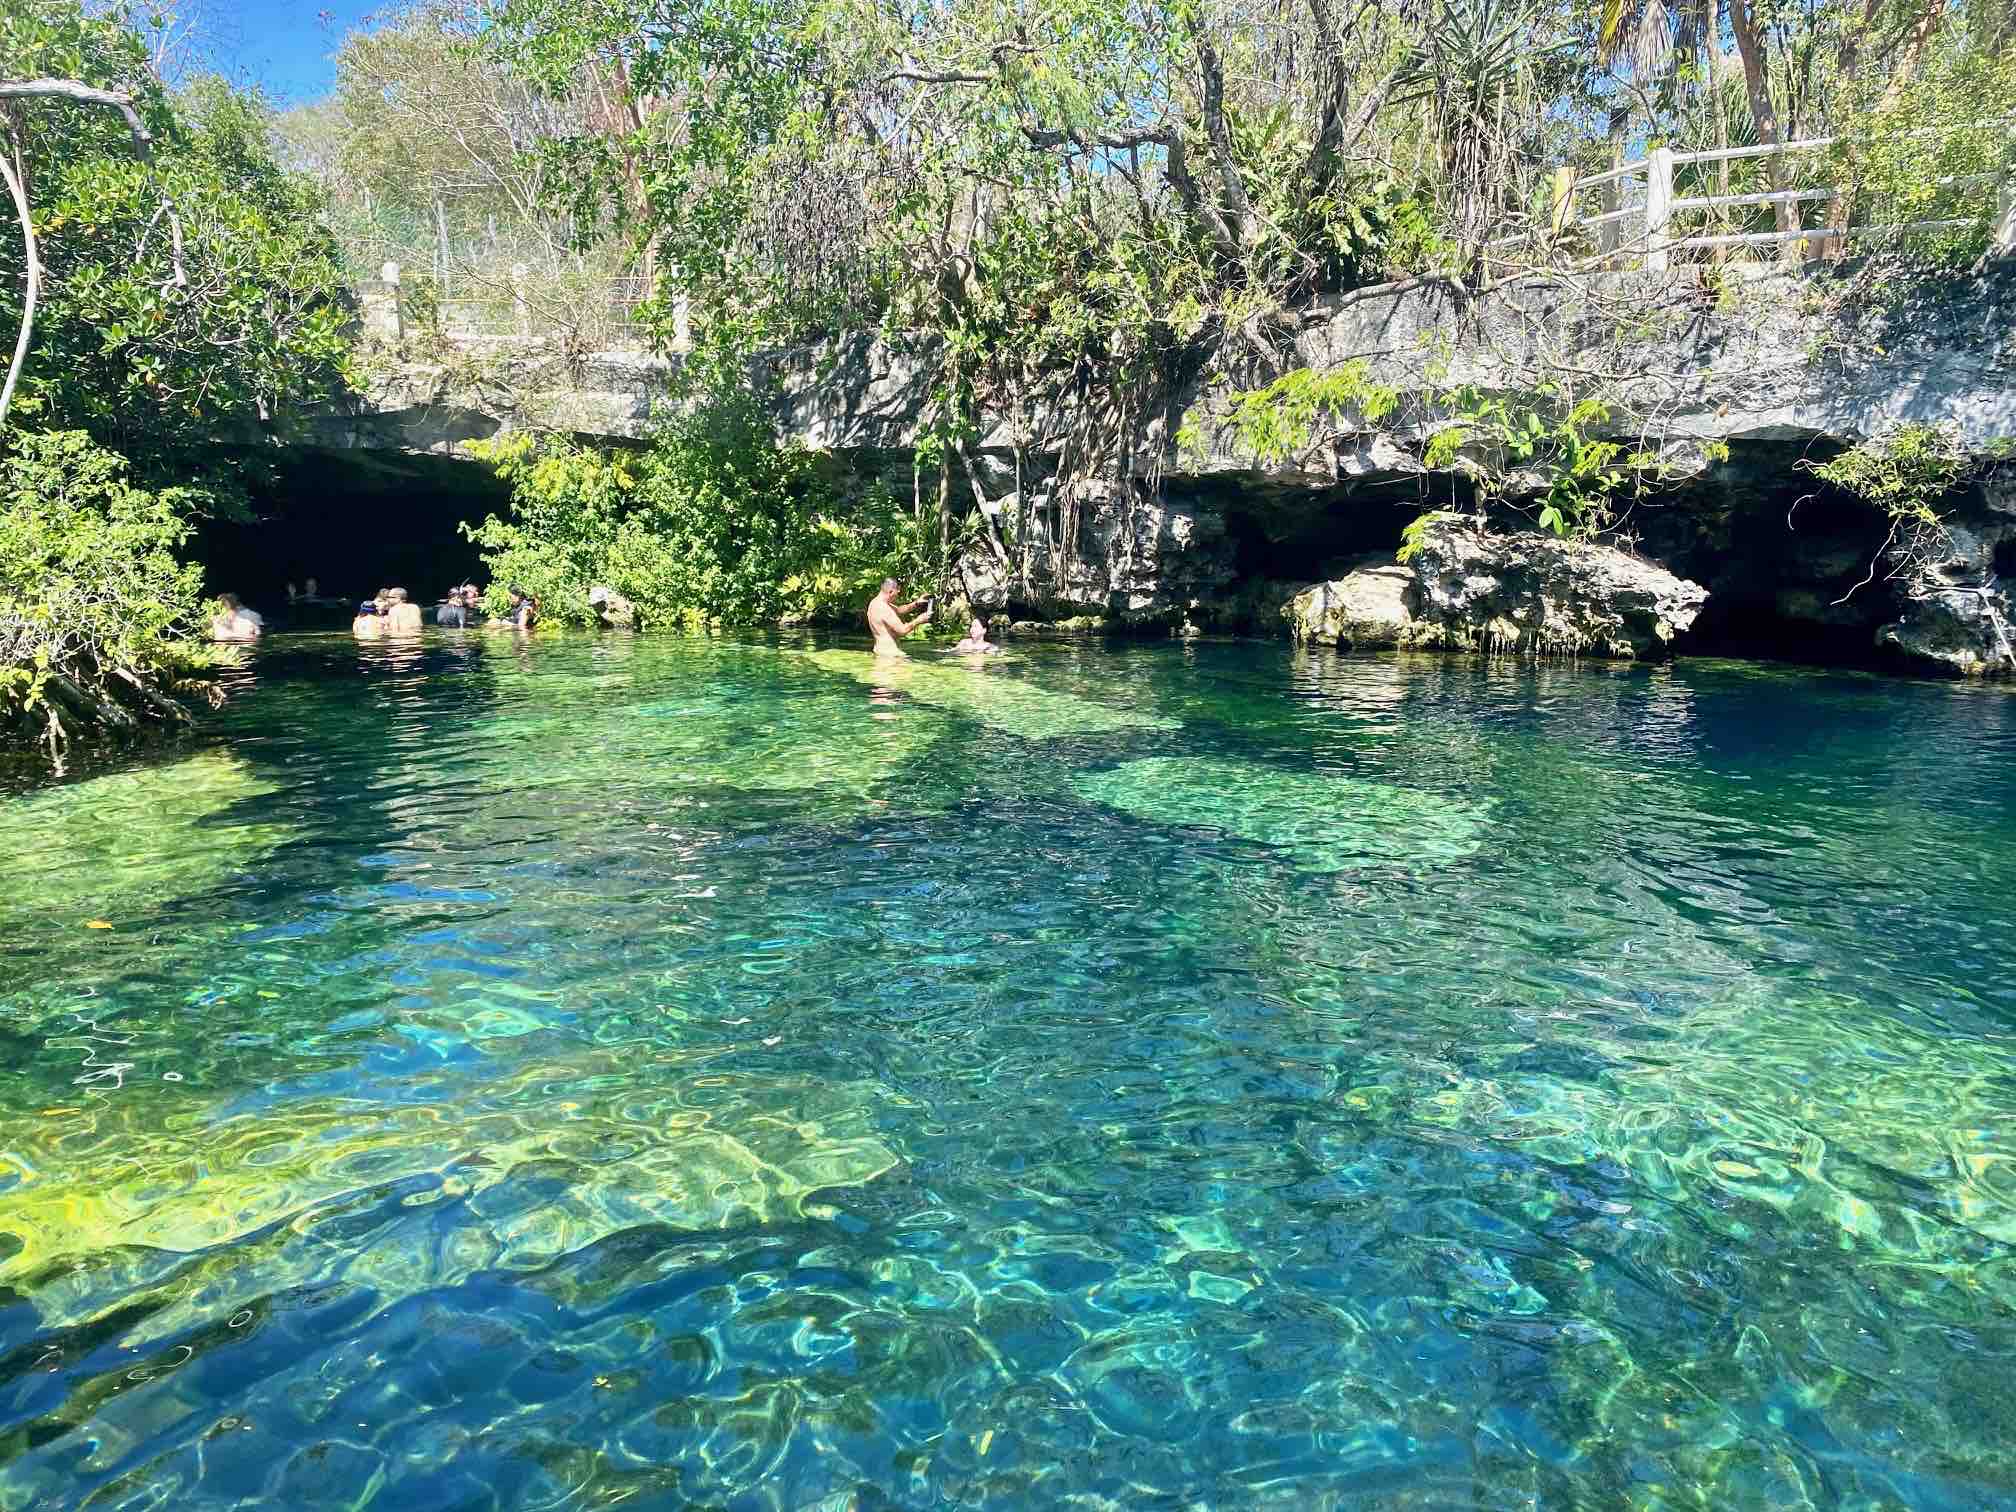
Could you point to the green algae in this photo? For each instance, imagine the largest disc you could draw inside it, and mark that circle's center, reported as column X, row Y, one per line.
column 1325, row 822
column 113, row 847
column 550, row 1156
column 988, row 694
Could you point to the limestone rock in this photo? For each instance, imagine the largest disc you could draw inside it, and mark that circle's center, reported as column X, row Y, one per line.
column 1539, row 594
column 1960, row 618
column 1366, row 609
column 1527, row 592
column 1138, row 561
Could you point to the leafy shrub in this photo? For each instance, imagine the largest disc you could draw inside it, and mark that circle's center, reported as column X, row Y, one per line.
column 98, row 619
column 713, row 524
column 1904, row 472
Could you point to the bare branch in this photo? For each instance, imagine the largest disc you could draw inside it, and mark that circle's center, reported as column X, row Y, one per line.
column 83, row 94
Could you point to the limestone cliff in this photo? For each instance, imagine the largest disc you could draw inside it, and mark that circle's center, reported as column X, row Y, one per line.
column 1733, row 382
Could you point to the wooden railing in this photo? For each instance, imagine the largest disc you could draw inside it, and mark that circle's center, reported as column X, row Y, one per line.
column 1644, row 229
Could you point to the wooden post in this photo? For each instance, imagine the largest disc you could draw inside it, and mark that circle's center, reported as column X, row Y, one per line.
column 2003, row 243
column 1658, row 206
column 1564, row 199
column 390, row 274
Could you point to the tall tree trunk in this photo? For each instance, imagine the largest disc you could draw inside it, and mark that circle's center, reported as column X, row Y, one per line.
column 18, row 192
column 1847, row 62
column 1757, row 86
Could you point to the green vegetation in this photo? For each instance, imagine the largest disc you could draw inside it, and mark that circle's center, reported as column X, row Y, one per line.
column 1905, row 472
column 712, row 524
column 98, row 618
column 167, row 281
column 1068, row 217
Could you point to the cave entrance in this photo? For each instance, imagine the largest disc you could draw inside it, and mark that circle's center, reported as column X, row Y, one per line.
column 355, row 521
column 1282, row 533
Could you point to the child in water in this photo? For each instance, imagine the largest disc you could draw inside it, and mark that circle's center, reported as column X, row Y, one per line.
column 976, row 642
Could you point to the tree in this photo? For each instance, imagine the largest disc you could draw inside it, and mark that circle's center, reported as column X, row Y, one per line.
column 185, row 286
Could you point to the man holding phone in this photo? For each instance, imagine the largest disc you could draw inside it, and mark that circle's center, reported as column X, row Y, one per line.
column 885, row 618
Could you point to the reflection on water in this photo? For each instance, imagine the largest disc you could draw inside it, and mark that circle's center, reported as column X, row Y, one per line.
column 492, row 1073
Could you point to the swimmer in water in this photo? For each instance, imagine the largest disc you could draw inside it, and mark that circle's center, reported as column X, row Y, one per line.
column 885, row 618
column 976, row 642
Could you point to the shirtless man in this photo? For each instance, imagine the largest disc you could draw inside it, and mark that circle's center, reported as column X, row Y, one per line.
column 404, row 618
column 885, row 618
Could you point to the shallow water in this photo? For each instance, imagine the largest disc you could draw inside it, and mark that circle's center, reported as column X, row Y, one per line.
column 497, row 1075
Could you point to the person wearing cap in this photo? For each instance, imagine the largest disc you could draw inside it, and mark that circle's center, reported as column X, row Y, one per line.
column 367, row 625
column 885, row 618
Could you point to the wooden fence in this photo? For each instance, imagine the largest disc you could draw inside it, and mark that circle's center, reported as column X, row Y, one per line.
column 1644, row 229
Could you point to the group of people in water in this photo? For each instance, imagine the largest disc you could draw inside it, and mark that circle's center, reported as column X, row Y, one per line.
column 388, row 612
column 391, row 612
column 887, row 624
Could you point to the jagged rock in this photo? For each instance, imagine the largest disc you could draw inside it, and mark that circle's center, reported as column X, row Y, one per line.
column 1538, row 594
column 1526, row 592
column 1366, row 609
column 1959, row 618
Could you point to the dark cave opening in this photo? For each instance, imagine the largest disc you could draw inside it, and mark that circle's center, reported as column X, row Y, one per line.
column 1282, row 533
column 355, row 521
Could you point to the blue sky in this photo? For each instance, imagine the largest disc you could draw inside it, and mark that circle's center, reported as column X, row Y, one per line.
column 281, row 44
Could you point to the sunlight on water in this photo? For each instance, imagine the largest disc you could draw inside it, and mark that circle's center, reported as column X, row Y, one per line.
column 670, row 1073
column 1324, row 821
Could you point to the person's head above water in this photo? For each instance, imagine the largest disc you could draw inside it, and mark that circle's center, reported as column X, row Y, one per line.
column 978, row 629
column 397, row 595
column 230, row 602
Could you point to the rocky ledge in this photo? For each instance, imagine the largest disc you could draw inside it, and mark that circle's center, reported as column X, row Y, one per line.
column 1524, row 593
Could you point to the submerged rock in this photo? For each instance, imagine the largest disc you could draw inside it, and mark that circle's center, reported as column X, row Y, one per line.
column 1321, row 821
column 1528, row 592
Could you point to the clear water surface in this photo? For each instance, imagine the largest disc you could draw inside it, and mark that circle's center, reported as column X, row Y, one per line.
column 679, row 1073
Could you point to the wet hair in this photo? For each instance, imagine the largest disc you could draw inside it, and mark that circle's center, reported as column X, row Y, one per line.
column 397, row 595
column 230, row 601
column 519, row 593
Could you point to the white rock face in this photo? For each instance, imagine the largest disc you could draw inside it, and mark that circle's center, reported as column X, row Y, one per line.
column 1366, row 609
column 1523, row 592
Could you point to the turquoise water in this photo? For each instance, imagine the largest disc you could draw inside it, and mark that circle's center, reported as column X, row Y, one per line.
column 483, row 1074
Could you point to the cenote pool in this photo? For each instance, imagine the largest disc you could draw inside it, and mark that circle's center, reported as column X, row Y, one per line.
column 663, row 1073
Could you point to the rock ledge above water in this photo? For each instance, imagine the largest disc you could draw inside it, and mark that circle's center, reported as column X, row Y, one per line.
column 1524, row 592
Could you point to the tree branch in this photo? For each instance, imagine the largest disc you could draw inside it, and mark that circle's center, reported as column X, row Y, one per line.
column 83, row 94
